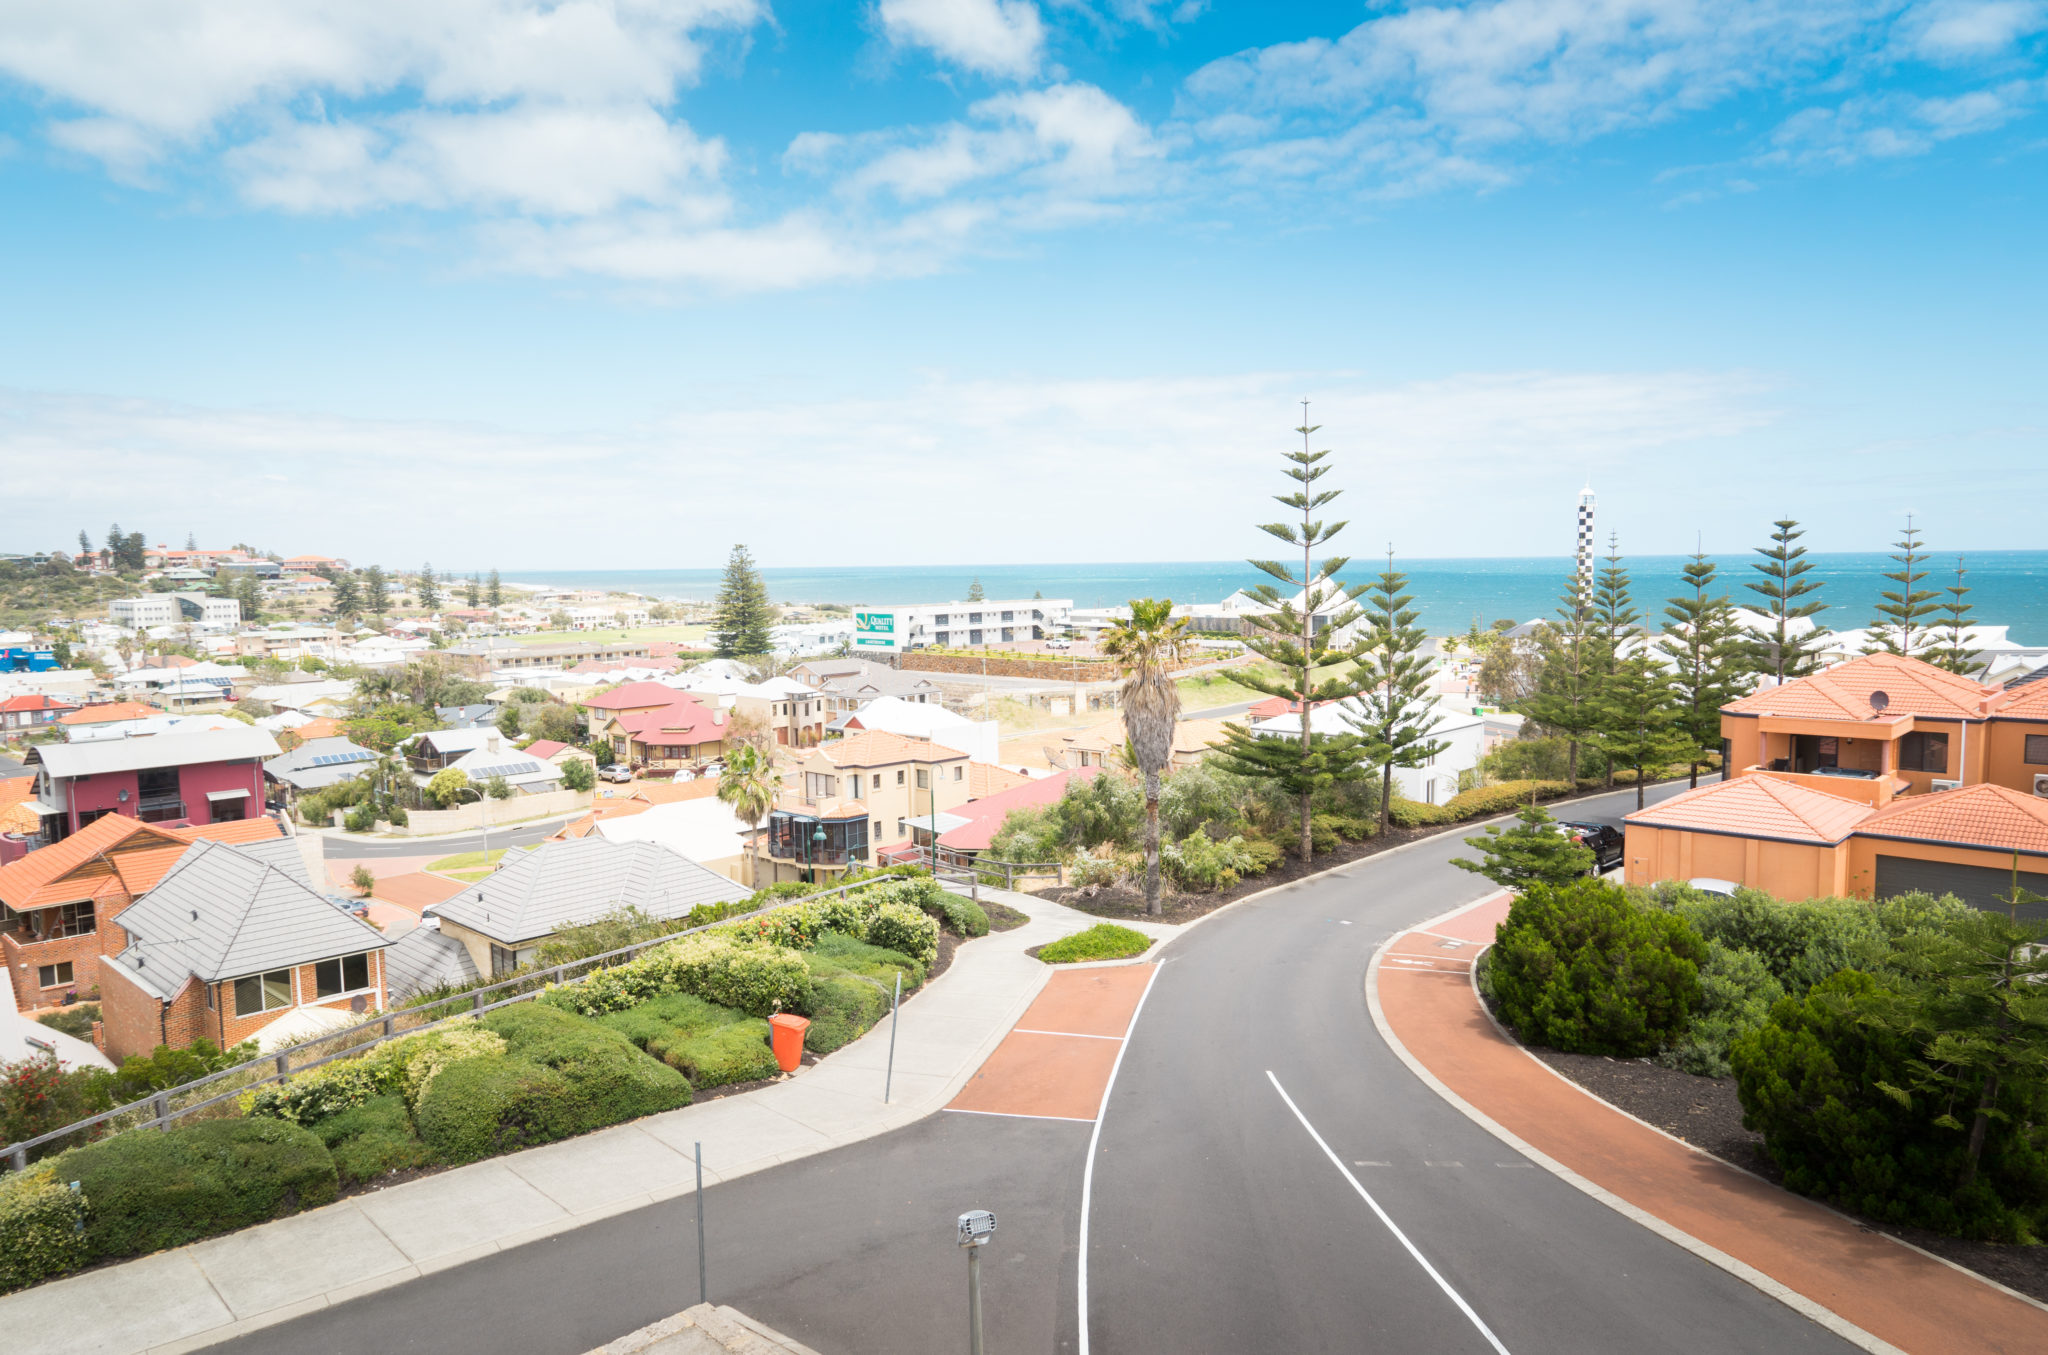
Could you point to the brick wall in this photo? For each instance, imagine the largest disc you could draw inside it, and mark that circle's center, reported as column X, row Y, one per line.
column 23, row 959
column 128, row 1016
column 136, row 1022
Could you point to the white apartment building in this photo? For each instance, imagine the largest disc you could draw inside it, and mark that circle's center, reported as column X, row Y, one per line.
column 893, row 630
column 173, row 609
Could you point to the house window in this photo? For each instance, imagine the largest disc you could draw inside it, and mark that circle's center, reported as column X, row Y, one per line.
column 263, row 992
column 211, row 1000
column 924, row 778
column 878, row 781
column 899, row 776
column 342, row 974
column 899, row 827
column 2037, row 749
column 503, row 961
column 1920, row 752
column 70, row 919
column 959, row 773
column 54, row 975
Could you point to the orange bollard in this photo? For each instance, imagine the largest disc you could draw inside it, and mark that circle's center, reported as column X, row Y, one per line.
column 786, row 1033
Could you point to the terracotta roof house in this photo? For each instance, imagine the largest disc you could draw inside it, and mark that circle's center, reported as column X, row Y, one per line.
column 107, row 712
column 849, row 799
column 1875, row 777
column 235, row 944
column 627, row 699
column 675, row 734
column 985, row 816
column 33, row 710
column 58, row 904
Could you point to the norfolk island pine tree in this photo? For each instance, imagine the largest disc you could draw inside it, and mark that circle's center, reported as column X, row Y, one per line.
column 1782, row 654
column 1708, row 658
column 1905, row 615
column 1396, row 714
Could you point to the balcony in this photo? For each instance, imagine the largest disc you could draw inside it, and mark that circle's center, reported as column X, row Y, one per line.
column 1872, row 788
column 159, row 808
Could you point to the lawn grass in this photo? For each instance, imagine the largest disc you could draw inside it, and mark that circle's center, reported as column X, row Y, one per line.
column 1103, row 941
column 468, row 860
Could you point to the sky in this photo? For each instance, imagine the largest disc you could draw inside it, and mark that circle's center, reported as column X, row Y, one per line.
column 618, row 285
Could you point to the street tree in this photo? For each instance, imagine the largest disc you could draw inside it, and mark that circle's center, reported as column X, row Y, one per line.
column 1784, row 652
column 740, row 625
column 249, row 596
column 429, row 590
column 1707, row 658
column 1568, row 683
column 376, row 592
column 1395, row 712
column 1148, row 645
column 1638, row 719
column 494, row 590
column 1951, row 636
column 1905, row 614
column 1295, row 632
column 1535, row 850
column 473, row 593
column 348, row 600
column 974, row 593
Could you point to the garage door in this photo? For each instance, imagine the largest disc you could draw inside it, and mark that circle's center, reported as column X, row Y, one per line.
column 1983, row 886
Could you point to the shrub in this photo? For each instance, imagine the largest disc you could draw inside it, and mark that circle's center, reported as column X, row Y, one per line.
column 1352, row 827
column 1092, row 869
column 38, row 1095
column 852, row 984
column 41, row 1231
column 322, row 1092
column 1192, row 800
column 146, row 1191
column 1405, row 813
column 837, row 953
column 1534, row 851
column 1199, row 862
column 371, row 1139
column 1800, row 943
column 1502, row 797
column 361, row 819
column 1030, row 834
column 75, row 1020
column 164, row 1067
column 493, row 1104
column 415, row 1064
column 1736, row 992
column 1103, row 941
column 709, row 1044
column 966, row 917
column 1261, row 855
column 1583, row 968
column 906, row 929
column 757, row 979
column 395, row 815
column 1529, row 758
column 1812, row 1081
column 615, row 930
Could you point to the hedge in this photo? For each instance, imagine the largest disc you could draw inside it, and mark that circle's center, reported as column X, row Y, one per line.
column 710, row 1045
column 905, row 929
column 368, row 1140
column 853, row 982
column 146, row 1190
column 1503, row 797
column 40, row 1227
column 759, row 980
column 405, row 1065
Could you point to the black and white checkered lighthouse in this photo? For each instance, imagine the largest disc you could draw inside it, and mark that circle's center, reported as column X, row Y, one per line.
column 1585, row 556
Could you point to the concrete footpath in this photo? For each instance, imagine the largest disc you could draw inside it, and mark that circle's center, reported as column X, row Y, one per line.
column 1878, row 1293
column 223, row 1287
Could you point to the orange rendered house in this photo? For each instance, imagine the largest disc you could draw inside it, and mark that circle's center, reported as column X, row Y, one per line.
column 1875, row 777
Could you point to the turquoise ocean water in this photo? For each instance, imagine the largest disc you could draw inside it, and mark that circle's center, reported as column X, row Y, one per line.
column 2008, row 587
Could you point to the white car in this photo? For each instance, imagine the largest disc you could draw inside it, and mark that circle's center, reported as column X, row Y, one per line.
column 618, row 771
column 1707, row 884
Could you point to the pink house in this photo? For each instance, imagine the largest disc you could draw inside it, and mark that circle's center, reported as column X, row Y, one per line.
column 213, row 776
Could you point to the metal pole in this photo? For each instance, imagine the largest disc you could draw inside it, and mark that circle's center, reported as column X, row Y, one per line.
column 701, row 1289
column 974, row 1300
column 895, row 1009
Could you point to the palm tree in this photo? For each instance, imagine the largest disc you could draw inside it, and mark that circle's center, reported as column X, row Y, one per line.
column 750, row 785
column 1147, row 646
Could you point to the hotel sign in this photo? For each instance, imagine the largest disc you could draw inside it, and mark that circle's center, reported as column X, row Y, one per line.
column 875, row 629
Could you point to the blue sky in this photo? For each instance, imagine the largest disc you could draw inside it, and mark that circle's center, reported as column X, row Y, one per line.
column 959, row 281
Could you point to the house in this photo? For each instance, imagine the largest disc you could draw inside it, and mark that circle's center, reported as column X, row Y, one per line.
column 849, row 684
column 705, row 830
column 106, row 712
column 435, row 749
column 320, row 696
column 316, row 764
column 923, row 720
column 236, row 944
column 1467, row 732
column 958, row 624
column 474, row 716
column 1874, row 777
column 215, row 776
column 313, row 564
column 673, row 735
column 497, row 758
column 20, row 714
column 180, row 686
column 422, row 960
column 58, row 904
column 556, row 753
column 504, row 919
column 631, row 698
column 485, row 656
column 851, row 798
column 978, row 821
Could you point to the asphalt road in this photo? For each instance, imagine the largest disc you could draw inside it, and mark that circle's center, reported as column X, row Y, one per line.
column 518, row 835
column 1218, row 1222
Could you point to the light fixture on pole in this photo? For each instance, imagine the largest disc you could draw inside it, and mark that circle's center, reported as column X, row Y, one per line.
column 977, row 1227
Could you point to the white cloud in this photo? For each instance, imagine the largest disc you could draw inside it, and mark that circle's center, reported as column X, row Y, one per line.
column 1886, row 127
column 1071, row 137
column 1959, row 29
column 993, row 37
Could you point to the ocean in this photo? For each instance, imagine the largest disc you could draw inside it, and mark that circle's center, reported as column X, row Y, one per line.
column 2008, row 588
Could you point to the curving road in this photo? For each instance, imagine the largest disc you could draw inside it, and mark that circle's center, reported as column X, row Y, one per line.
column 1217, row 1218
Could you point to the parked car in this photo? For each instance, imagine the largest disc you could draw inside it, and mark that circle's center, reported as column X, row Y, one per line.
column 617, row 771
column 1059, row 642
column 1707, row 884
column 1605, row 840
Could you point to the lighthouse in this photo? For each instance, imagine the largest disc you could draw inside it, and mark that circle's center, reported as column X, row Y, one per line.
column 1585, row 555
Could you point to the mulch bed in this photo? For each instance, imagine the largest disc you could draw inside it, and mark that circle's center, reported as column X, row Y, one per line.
column 1705, row 1112
column 1002, row 917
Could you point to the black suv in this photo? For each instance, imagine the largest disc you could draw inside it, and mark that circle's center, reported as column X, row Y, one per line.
column 1605, row 840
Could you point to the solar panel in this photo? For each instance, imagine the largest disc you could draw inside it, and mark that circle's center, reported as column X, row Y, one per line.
column 336, row 759
column 504, row 769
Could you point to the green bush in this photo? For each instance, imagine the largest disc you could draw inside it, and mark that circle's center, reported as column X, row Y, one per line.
column 709, row 1044
column 494, row 1104
column 1199, row 862
column 1261, row 855
column 361, row 819
column 757, row 979
column 837, row 953
column 1192, row 800
column 852, row 984
column 1405, row 813
column 1801, row 943
column 40, row 1227
column 1737, row 990
column 371, row 1139
column 146, row 1190
column 39, row 1095
column 75, row 1020
column 1103, row 941
column 1502, row 797
column 404, row 1065
column 966, row 917
column 906, row 929
column 165, row 1067
column 1812, row 1081
column 1583, row 968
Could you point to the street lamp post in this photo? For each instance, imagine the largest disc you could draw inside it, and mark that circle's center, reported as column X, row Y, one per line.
column 484, row 801
column 814, row 846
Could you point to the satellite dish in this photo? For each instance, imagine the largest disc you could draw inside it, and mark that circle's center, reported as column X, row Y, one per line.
column 1878, row 702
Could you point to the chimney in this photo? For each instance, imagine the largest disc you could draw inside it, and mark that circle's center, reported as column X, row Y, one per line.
column 491, row 740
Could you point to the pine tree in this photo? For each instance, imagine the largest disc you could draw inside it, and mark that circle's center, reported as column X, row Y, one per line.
column 430, row 595
column 1952, row 648
column 1569, row 680
column 1708, row 656
column 249, row 596
column 376, row 595
column 1534, row 851
column 1614, row 611
column 134, row 550
column 1287, row 634
column 1905, row 617
column 494, row 590
column 348, row 601
column 1637, row 719
column 1396, row 713
column 1782, row 653
column 473, row 592
column 113, row 546
column 191, row 541
column 741, row 620
column 84, row 542
column 974, row 593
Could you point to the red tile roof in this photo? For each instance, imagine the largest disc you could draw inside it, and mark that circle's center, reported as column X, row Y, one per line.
column 108, row 712
column 1843, row 692
column 683, row 721
column 36, row 701
column 2028, row 701
column 989, row 812
column 634, row 696
column 544, row 748
column 1759, row 805
column 1979, row 816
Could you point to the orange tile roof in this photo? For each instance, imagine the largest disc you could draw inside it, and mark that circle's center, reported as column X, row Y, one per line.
column 38, row 879
column 1982, row 815
column 15, row 814
column 637, row 696
column 1843, row 692
column 986, row 778
column 878, row 748
column 321, row 727
column 1759, row 805
column 108, row 712
column 603, row 809
column 2025, row 702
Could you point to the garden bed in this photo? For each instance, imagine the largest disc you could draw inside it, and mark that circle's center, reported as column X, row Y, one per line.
column 1705, row 1112
column 1001, row 918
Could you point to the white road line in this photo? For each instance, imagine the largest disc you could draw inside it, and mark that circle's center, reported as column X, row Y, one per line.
column 1070, row 1034
column 1088, row 1172
column 1366, row 1195
column 1015, row 1115
column 1461, row 940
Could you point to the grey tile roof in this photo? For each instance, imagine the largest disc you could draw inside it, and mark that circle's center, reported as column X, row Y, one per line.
column 319, row 763
column 224, row 912
column 158, row 750
column 424, row 959
column 565, row 884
